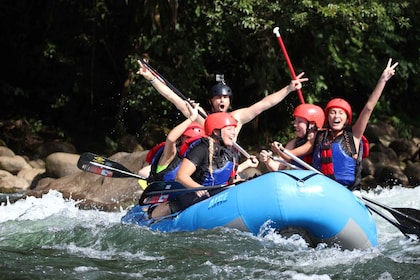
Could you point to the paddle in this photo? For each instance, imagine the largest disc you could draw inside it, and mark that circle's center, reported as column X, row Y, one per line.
column 103, row 166
column 155, row 192
column 282, row 161
column 410, row 217
column 407, row 224
column 160, row 191
column 289, row 63
column 183, row 97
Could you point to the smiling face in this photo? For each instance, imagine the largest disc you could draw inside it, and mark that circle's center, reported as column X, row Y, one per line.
column 228, row 135
column 337, row 118
column 220, row 103
column 301, row 126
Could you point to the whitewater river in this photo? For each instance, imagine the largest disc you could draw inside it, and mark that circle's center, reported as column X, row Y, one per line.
column 50, row 238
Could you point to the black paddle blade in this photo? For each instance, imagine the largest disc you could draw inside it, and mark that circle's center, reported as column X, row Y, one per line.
column 100, row 160
column 159, row 192
column 410, row 218
column 103, row 166
column 93, row 163
column 92, row 168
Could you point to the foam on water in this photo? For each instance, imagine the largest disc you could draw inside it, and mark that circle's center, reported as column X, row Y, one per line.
column 52, row 203
column 93, row 240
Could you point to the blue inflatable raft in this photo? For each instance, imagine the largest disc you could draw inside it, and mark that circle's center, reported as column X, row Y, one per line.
column 292, row 201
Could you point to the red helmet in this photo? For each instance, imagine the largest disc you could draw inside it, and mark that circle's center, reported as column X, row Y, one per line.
column 194, row 130
column 342, row 104
column 218, row 120
column 311, row 113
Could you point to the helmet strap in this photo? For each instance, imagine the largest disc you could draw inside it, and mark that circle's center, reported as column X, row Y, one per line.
column 309, row 129
column 217, row 136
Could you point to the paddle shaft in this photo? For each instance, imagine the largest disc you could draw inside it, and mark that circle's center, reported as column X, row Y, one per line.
column 289, row 63
column 298, row 160
column 162, row 191
column 150, row 193
column 282, row 161
column 104, row 165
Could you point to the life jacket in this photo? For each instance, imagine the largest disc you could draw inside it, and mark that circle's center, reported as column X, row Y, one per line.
column 152, row 152
column 366, row 148
column 341, row 150
column 186, row 146
column 169, row 173
column 223, row 167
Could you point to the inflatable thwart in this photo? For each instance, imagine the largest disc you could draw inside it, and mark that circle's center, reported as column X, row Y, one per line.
column 293, row 201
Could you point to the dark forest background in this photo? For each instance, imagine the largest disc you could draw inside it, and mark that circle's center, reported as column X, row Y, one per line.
column 69, row 68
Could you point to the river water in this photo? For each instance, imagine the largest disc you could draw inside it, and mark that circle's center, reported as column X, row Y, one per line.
column 50, row 238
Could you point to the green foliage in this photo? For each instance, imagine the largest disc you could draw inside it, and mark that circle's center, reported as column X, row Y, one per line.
column 403, row 128
column 35, row 126
column 73, row 62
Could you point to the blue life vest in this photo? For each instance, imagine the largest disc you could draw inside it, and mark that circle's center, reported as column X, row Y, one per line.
column 337, row 159
column 220, row 176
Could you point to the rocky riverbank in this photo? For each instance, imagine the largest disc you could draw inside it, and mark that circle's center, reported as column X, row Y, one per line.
column 392, row 161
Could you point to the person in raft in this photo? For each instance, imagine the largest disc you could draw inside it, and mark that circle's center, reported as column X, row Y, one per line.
column 210, row 163
column 164, row 158
column 221, row 98
column 309, row 118
column 338, row 150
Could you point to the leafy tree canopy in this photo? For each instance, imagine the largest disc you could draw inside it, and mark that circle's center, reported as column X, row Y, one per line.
column 71, row 64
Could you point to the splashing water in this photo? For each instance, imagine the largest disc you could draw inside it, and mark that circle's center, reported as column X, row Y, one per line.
column 49, row 237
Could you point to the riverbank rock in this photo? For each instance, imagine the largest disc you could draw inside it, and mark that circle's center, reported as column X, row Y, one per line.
column 61, row 164
column 95, row 191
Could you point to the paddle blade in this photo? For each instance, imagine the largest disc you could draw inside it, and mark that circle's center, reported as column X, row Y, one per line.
column 95, row 169
column 159, row 192
column 103, row 166
column 100, row 160
column 410, row 218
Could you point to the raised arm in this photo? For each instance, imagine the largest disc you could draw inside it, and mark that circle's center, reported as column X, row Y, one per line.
column 166, row 92
column 245, row 115
column 170, row 149
column 363, row 119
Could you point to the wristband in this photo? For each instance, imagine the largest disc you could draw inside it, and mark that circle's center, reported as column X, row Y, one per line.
column 152, row 80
